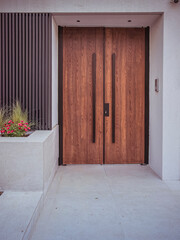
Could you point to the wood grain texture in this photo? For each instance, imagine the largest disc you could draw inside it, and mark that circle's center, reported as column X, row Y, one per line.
column 129, row 48
column 78, row 46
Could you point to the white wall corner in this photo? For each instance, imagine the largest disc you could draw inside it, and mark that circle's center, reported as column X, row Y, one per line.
column 51, row 155
column 156, row 98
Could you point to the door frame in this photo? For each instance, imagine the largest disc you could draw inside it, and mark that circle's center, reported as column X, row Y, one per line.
column 147, row 63
column 60, row 95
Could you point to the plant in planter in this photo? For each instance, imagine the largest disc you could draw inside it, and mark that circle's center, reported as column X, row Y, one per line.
column 2, row 116
column 18, row 114
column 14, row 129
column 17, row 124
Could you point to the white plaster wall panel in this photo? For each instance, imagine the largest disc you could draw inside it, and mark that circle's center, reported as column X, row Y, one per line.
column 84, row 5
column 156, row 71
column 51, row 154
column 171, row 95
column 22, row 166
column 54, row 73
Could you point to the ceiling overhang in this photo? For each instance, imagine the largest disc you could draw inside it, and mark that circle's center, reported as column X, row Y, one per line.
column 106, row 20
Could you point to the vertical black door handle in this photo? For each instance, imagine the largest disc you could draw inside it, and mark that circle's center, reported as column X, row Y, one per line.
column 113, row 98
column 94, row 96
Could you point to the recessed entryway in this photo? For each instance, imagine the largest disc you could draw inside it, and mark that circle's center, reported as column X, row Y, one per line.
column 102, row 95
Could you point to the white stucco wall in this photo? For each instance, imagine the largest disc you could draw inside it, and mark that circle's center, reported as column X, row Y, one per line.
column 171, row 94
column 54, row 73
column 155, row 109
column 164, row 107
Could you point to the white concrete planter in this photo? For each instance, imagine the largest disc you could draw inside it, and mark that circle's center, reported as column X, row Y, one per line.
column 29, row 163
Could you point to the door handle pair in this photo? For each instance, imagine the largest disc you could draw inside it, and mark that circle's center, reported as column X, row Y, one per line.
column 106, row 105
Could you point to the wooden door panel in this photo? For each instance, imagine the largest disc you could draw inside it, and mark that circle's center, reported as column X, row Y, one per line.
column 78, row 46
column 128, row 45
column 129, row 48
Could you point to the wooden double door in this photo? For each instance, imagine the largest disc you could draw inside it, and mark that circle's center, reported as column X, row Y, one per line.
column 103, row 89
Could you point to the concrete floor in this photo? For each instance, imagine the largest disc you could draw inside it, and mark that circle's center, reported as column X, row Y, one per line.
column 109, row 202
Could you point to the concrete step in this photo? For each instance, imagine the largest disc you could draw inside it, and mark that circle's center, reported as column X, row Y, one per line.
column 19, row 212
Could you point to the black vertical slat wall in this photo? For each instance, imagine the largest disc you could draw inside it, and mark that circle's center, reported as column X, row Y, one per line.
column 25, row 64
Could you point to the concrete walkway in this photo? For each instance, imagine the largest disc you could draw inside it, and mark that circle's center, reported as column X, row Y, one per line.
column 109, row 202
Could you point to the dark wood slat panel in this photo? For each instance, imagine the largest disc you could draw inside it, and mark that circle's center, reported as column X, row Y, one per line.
column 25, row 59
column 47, row 70
column 13, row 58
column 27, row 62
column 3, row 58
column 31, row 65
column 40, row 74
column 20, row 57
column 37, row 69
column 33, row 95
column 10, row 57
column 43, row 72
column 16, row 58
column 7, row 59
column 0, row 60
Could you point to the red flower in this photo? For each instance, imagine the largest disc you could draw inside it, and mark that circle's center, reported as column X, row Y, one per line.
column 10, row 121
column 2, row 131
column 26, row 123
column 25, row 126
column 26, row 129
column 12, row 131
column 8, row 132
column 7, row 128
column 22, row 121
column 29, row 128
column 19, row 128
